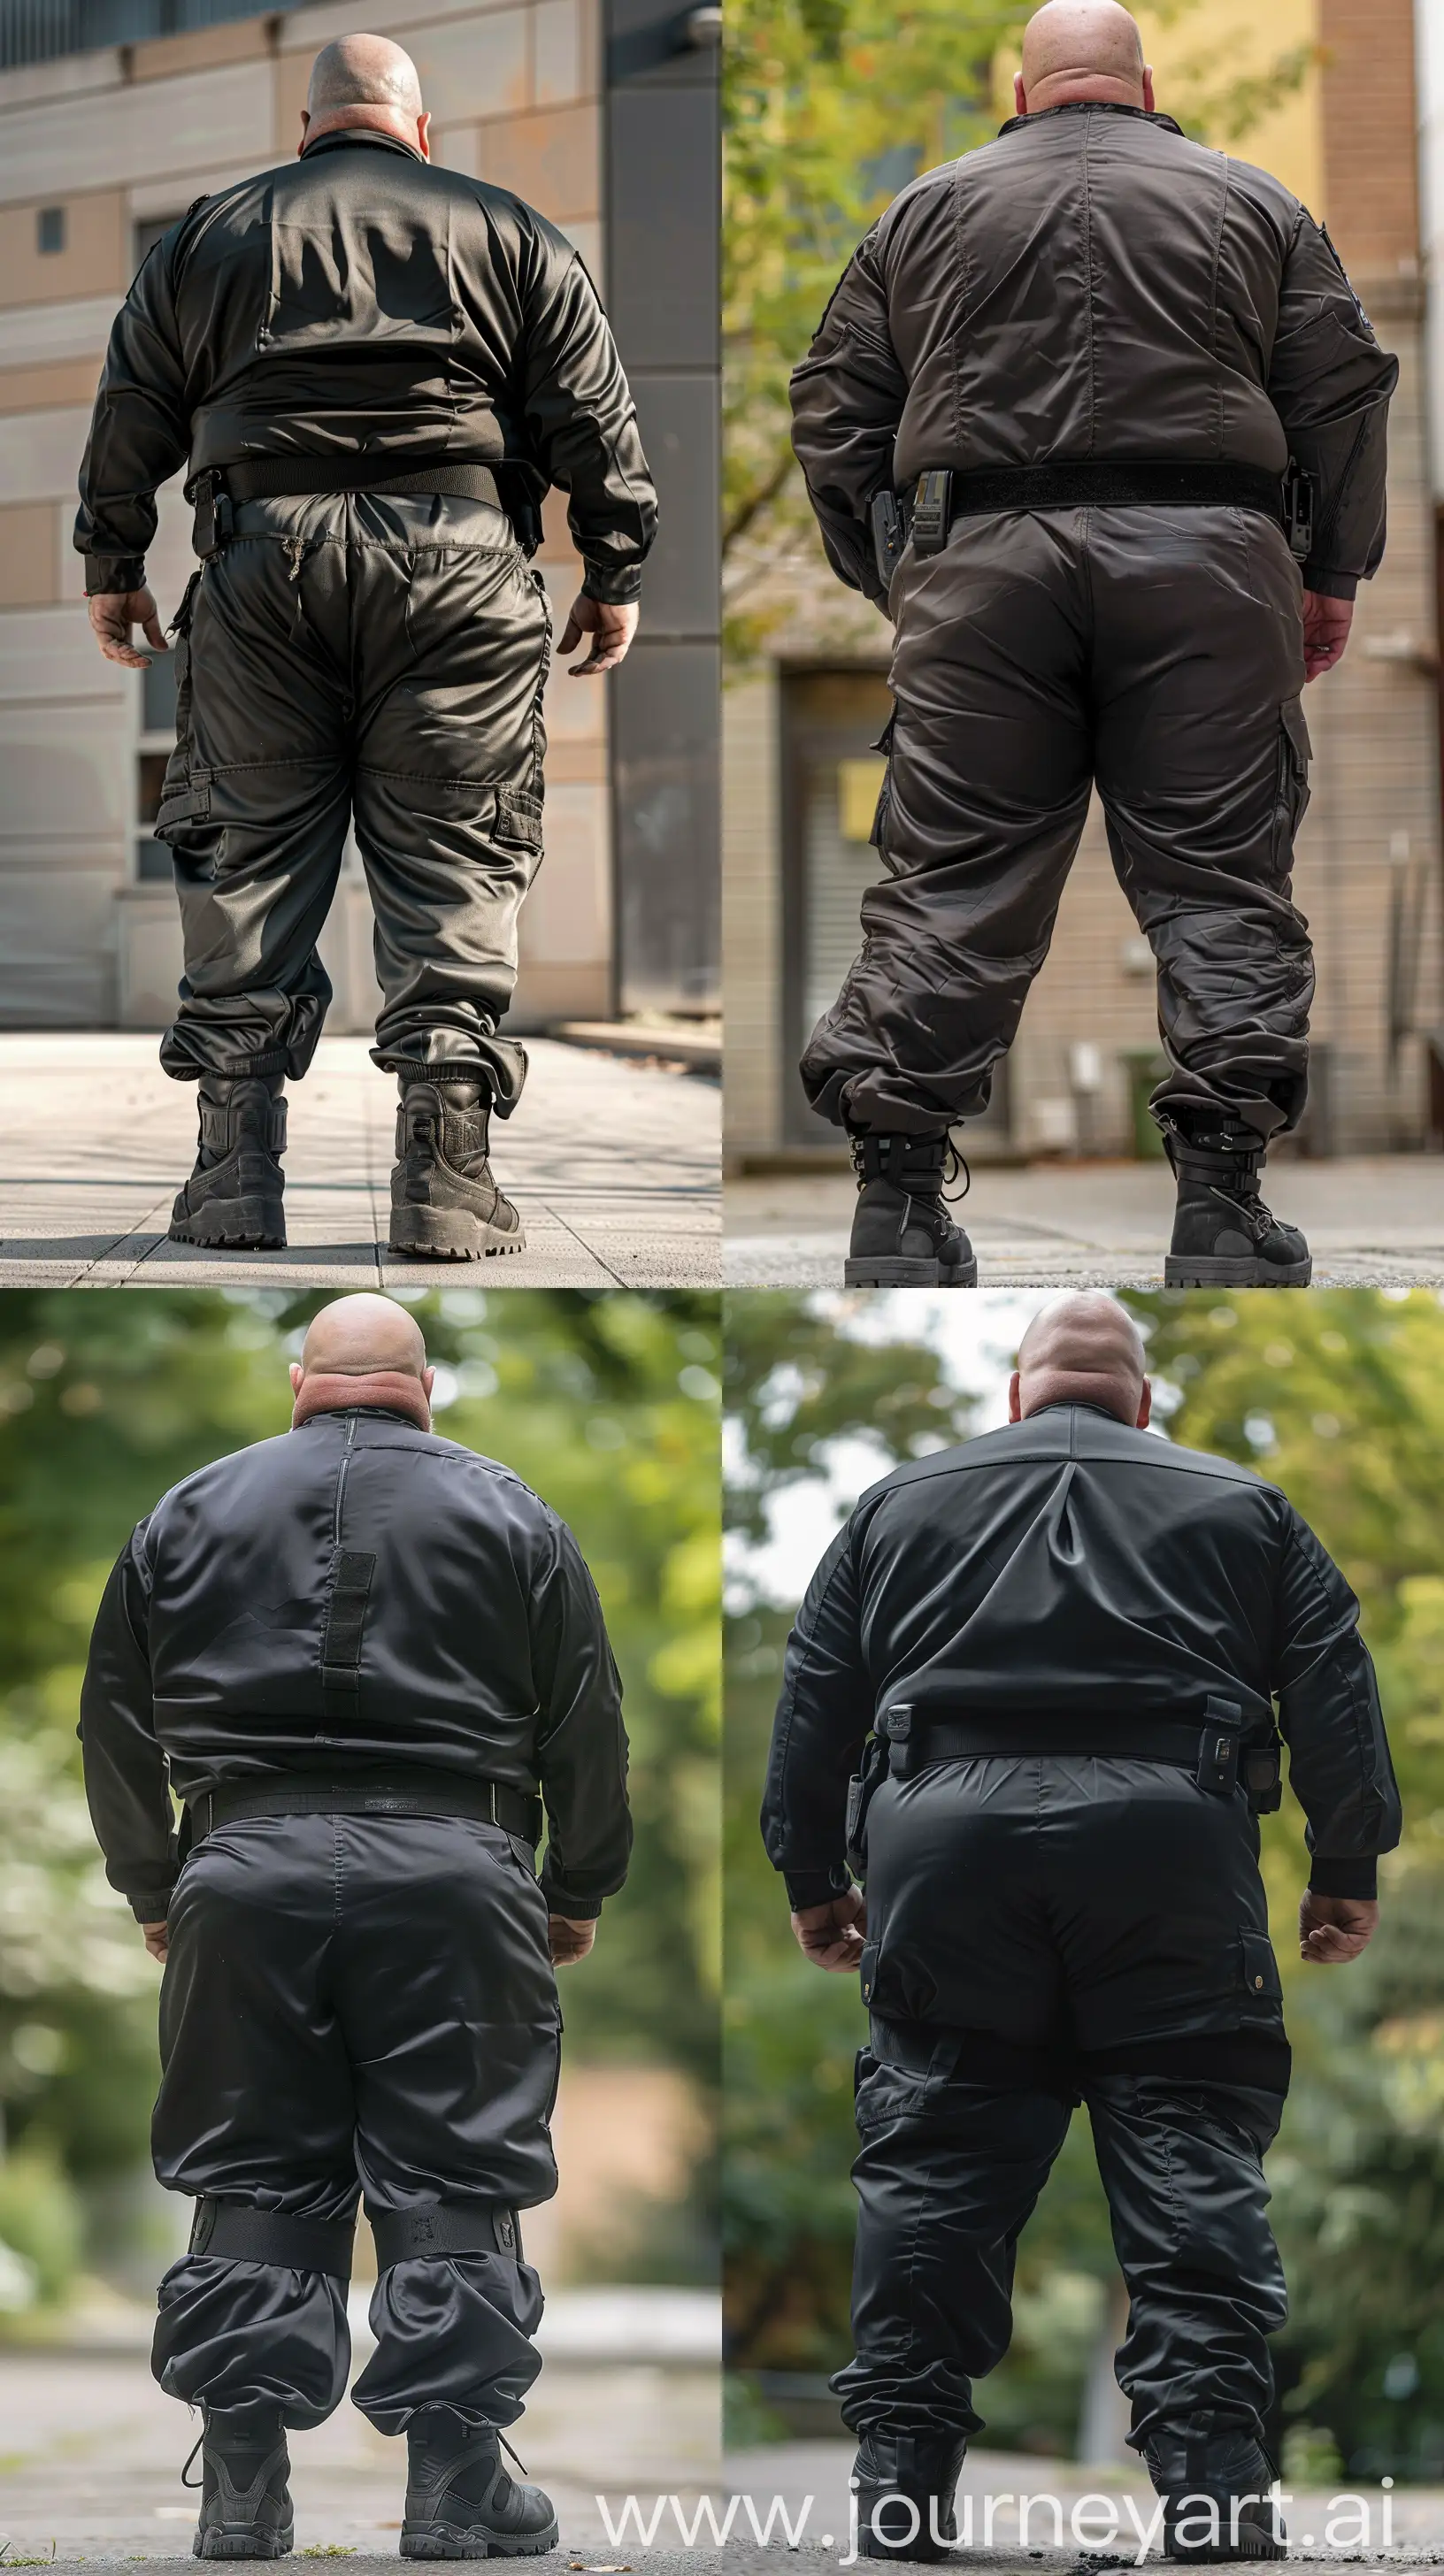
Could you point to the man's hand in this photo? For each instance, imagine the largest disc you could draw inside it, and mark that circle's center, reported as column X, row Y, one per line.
column 157, row 1940
column 831, row 1936
column 610, row 628
column 1335, row 1928
column 568, row 1941
column 1326, row 632
column 112, row 615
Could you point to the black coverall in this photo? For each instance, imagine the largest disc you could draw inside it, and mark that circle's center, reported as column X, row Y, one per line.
column 381, row 655
column 1048, row 1926
column 358, row 1995
column 1090, row 289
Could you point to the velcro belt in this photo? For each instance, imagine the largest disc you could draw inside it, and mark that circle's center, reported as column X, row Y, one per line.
column 241, row 2234
column 399, row 1793
column 444, row 2227
column 1210, row 1752
column 1090, row 482
column 271, row 478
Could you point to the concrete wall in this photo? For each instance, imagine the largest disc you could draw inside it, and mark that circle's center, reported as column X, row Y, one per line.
column 132, row 135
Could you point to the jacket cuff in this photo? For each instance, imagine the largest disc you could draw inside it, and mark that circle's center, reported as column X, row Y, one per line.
column 113, row 573
column 1343, row 1877
column 153, row 1905
column 1330, row 585
column 815, row 1886
column 616, row 586
column 577, row 1909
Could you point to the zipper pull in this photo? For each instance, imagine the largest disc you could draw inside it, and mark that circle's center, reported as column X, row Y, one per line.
column 295, row 547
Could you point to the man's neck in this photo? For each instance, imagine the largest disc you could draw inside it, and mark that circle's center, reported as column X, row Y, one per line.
column 385, row 1391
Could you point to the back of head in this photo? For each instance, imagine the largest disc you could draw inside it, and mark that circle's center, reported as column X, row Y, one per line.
column 362, row 1350
column 1086, row 1349
column 1083, row 49
column 367, row 82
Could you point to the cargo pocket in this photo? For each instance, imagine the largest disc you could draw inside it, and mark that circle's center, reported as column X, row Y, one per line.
column 185, row 796
column 1263, row 1987
column 881, row 834
column 1291, row 794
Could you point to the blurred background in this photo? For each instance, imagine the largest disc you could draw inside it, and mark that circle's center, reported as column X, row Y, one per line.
column 1339, row 1397
column 608, row 1405
column 831, row 107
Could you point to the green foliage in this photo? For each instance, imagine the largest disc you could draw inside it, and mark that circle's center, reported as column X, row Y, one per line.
column 606, row 1403
column 1339, row 1397
column 40, row 2222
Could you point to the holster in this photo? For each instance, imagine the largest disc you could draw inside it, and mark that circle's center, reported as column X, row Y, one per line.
column 861, row 1790
column 214, row 523
column 889, row 533
column 1298, row 511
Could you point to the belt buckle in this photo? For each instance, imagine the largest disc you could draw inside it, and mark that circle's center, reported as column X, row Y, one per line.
column 932, row 510
column 1218, row 1761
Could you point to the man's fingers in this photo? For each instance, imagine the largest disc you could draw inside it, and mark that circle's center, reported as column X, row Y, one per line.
column 571, row 634
column 154, row 631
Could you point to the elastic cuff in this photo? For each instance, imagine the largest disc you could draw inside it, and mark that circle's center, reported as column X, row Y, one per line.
column 577, row 1909
column 1343, row 1877
column 614, row 589
column 815, row 1886
column 153, row 1906
column 107, row 573
column 1330, row 585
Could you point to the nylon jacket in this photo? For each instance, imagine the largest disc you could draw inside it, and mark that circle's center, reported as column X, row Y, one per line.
column 362, row 300
column 483, row 1653
column 1094, row 284
column 1070, row 1564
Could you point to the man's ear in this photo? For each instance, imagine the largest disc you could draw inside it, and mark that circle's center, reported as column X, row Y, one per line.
column 297, row 1375
column 423, row 134
column 428, row 1381
column 1020, row 96
column 1148, row 87
column 1015, row 1398
column 305, row 121
column 1145, row 1406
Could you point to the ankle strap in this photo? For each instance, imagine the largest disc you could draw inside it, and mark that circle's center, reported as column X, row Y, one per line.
column 1222, row 1153
column 899, row 1159
column 253, row 1113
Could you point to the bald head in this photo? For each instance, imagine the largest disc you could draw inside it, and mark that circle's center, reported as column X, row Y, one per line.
column 363, row 1350
column 1082, row 49
column 365, row 81
column 1085, row 1349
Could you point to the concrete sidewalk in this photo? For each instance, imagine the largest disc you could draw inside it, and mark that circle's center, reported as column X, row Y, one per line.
column 1375, row 1222
column 615, row 1167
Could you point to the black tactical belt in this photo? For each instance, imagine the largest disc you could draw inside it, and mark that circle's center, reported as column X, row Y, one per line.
column 393, row 1793
column 942, row 496
column 216, row 491
column 1211, row 1752
column 240, row 2234
column 444, row 2227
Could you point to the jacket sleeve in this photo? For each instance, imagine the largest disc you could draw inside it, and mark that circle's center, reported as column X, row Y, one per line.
column 823, row 1717
column 140, row 431
column 583, row 427
column 125, row 1771
column 1330, row 383
column 581, row 1741
column 1330, row 1719
column 847, row 400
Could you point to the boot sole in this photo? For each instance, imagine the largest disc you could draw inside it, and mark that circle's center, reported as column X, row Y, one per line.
column 477, row 2543
column 243, row 2543
column 1182, row 1270
column 1225, row 2556
column 451, row 1234
column 238, row 1225
column 895, row 1272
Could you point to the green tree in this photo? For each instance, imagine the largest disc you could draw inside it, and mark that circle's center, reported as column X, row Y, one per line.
column 606, row 1402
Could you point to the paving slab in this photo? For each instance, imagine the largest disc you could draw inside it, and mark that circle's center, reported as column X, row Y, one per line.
column 1372, row 1221
column 614, row 1164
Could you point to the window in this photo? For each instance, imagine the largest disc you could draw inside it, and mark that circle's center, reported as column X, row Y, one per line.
column 50, row 229
column 157, row 742
column 146, row 235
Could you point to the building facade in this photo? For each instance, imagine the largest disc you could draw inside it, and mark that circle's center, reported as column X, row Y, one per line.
column 125, row 114
column 799, row 776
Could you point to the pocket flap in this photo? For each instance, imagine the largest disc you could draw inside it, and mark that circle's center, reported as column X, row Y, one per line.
column 185, row 806
column 868, row 1968
column 1260, row 1967
column 1295, row 726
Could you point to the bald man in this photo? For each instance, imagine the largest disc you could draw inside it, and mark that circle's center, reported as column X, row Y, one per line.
column 1030, row 1699
column 372, row 371
column 1096, row 419
column 365, row 1660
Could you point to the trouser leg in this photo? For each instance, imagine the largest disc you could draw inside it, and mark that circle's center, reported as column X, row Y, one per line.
column 257, row 795
column 943, row 2194
column 255, row 2107
column 1182, row 2166
column 449, row 2004
column 987, row 790
column 1202, row 761
column 457, row 644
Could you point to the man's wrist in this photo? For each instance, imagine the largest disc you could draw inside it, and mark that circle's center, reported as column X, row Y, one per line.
column 1330, row 585
column 1357, row 1878
column 613, row 589
column 809, row 1887
column 113, row 575
column 153, row 1906
column 573, row 1909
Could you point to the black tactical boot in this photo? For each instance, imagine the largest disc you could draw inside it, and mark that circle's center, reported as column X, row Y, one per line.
column 904, row 2489
column 245, row 2502
column 1198, row 2463
column 445, row 1206
column 1223, row 1235
column 902, row 1235
column 232, row 1200
column 460, row 2501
